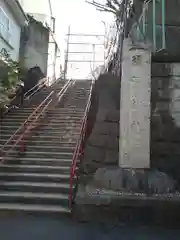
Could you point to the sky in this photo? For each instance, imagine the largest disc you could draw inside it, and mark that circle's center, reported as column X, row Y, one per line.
column 82, row 18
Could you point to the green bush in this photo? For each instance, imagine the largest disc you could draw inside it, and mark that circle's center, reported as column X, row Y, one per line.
column 9, row 79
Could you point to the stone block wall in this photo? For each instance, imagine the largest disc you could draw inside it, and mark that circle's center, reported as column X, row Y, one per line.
column 165, row 118
column 101, row 146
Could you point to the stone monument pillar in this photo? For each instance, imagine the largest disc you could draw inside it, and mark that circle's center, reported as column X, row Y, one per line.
column 134, row 144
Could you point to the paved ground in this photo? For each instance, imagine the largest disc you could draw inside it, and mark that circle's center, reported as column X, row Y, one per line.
column 37, row 228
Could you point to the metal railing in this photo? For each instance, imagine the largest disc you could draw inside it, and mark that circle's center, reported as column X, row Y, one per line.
column 34, row 89
column 30, row 123
column 151, row 25
column 79, row 147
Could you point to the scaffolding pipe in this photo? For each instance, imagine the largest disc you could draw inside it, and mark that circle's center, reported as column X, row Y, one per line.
column 67, row 53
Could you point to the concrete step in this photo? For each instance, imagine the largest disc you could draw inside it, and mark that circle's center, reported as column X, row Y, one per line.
column 50, row 119
column 59, row 109
column 19, row 112
column 35, row 168
column 62, row 136
column 34, row 177
column 12, row 120
column 42, row 130
column 38, row 154
column 63, row 140
column 31, row 208
column 17, row 119
column 22, row 109
column 46, row 123
column 62, row 110
column 46, row 148
column 36, row 187
column 65, row 134
column 51, row 125
column 8, row 124
column 54, row 149
column 43, row 133
column 48, row 143
column 38, row 161
column 24, row 112
column 33, row 198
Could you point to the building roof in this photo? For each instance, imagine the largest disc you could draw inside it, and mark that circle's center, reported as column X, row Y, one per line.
column 32, row 19
column 38, row 17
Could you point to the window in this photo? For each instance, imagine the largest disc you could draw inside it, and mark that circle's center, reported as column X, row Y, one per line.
column 4, row 26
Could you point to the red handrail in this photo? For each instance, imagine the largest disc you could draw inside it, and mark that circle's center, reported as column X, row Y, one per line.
column 24, row 128
column 25, row 95
column 78, row 148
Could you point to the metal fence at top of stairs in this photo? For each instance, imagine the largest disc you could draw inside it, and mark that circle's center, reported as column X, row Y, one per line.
column 151, row 25
column 17, row 139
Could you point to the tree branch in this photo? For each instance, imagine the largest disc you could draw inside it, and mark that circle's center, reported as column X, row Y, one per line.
column 112, row 6
column 100, row 7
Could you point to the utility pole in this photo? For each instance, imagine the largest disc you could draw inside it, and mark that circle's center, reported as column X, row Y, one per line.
column 93, row 57
column 67, row 53
column 105, row 36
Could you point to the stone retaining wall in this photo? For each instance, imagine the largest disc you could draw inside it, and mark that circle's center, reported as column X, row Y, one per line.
column 165, row 118
column 101, row 146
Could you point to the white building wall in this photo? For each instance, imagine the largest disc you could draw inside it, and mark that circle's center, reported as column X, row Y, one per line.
column 11, row 43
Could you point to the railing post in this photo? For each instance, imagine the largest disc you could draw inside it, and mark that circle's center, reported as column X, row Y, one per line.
column 22, row 140
column 163, row 24
column 144, row 22
column 154, row 25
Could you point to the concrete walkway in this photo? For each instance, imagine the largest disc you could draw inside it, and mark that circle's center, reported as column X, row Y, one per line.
column 39, row 228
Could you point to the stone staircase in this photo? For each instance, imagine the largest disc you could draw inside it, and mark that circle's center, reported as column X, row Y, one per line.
column 38, row 181
column 16, row 117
